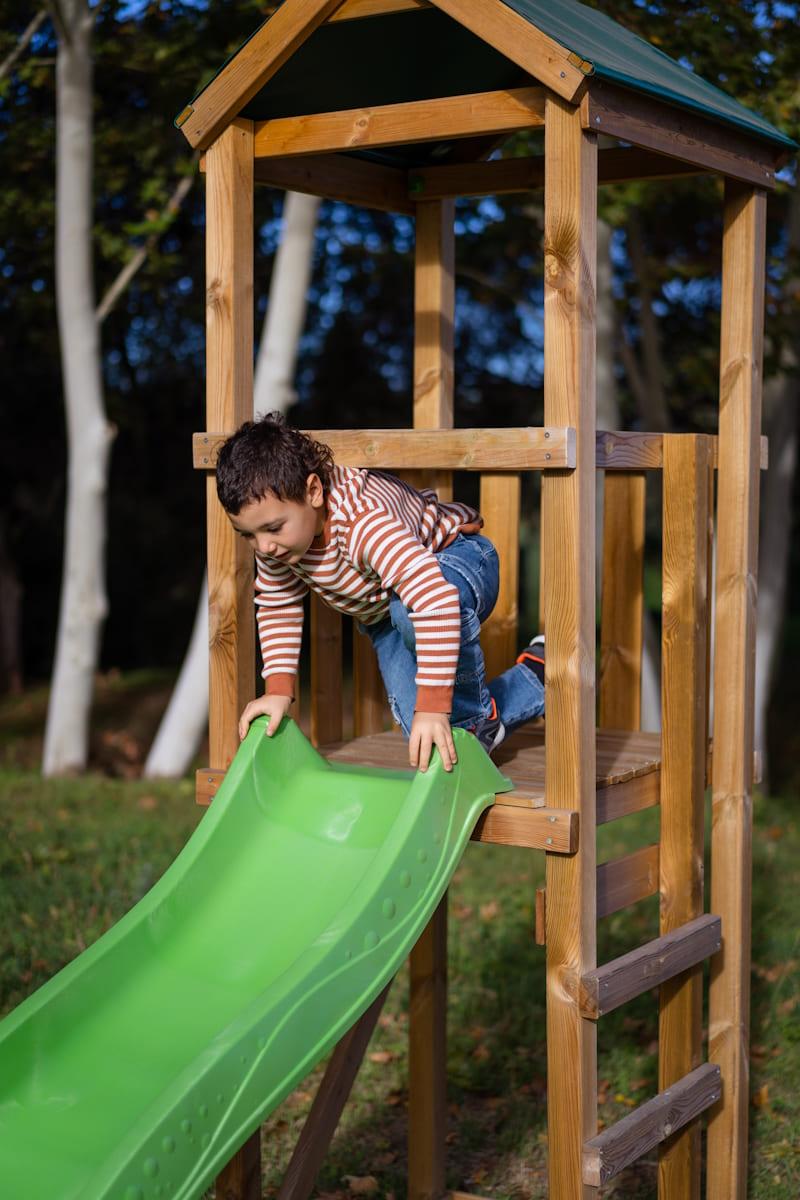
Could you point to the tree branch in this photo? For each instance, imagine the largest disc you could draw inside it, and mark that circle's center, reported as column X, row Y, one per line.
column 24, row 40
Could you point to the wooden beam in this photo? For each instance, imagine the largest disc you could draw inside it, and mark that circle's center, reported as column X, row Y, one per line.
column 620, row 883
column 568, row 519
column 743, row 271
column 649, row 1124
column 605, row 988
column 684, row 747
column 525, row 449
column 251, row 67
column 401, row 124
column 622, row 601
column 552, row 829
column 508, row 175
column 326, row 673
column 240, row 1179
column 621, row 799
column 369, row 696
column 620, row 451
column 499, row 506
column 336, row 177
column 676, row 132
column 517, row 39
column 427, row 1077
column 331, row 1097
column 352, row 10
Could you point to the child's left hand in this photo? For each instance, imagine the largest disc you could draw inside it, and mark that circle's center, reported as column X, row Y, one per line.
column 429, row 730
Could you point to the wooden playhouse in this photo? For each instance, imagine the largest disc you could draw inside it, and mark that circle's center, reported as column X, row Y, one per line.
column 397, row 105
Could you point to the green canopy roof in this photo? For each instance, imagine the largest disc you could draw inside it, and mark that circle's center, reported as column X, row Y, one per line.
column 423, row 54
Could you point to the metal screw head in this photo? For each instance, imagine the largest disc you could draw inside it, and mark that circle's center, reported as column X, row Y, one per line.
column 563, row 74
column 549, row 841
column 597, row 120
column 547, row 433
column 547, row 455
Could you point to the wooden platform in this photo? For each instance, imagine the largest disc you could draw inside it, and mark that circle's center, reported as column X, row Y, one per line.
column 628, row 777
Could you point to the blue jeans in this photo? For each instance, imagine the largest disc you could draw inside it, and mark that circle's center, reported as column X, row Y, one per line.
column 470, row 563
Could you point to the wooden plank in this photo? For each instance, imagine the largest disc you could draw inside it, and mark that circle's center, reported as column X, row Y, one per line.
column 326, row 673
column 240, row 1179
column 508, row 175
column 335, row 177
column 568, row 520
column 251, row 67
column 649, row 1124
column 206, row 785
column 545, row 828
column 401, row 124
column 605, row 988
column 429, row 448
column 229, row 402
column 624, row 881
column 622, row 603
column 320, row 1125
column 683, row 769
column 434, row 331
column 620, row 799
column 681, row 134
column 499, row 506
column 644, row 451
column 743, row 254
column 522, row 42
column 540, row 918
column 368, row 691
column 427, row 1079
column 352, row 10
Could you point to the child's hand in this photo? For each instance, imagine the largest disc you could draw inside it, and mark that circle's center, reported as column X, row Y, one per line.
column 274, row 707
column 429, row 730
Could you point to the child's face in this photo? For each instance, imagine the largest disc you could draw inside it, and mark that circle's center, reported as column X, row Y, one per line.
column 283, row 529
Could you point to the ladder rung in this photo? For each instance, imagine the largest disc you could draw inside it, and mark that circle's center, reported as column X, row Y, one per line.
column 623, row 978
column 652, row 1122
column 620, row 882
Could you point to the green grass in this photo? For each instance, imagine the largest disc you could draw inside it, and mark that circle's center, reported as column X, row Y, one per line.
column 76, row 854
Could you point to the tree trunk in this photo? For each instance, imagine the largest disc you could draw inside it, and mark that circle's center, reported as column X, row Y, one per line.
column 273, row 386
column 184, row 721
column 83, row 597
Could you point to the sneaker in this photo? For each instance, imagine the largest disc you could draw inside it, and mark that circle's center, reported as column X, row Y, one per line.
column 491, row 731
column 532, row 657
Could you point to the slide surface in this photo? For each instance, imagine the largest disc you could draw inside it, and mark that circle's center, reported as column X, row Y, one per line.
column 137, row 1071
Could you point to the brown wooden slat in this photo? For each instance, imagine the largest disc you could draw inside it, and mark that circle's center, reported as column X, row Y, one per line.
column 524, row 449
column 606, row 987
column 355, row 9
column 499, row 506
column 625, row 451
column 335, row 177
column 649, row 1124
column 683, row 769
column 621, row 799
column 320, row 1125
column 326, row 673
column 643, row 121
column 552, row 829
column 623, row 881
column 622, row 602
column 369, row 697
column 251, row 67
column 240, row 1179
column 427, row 1051
column 401, row 124
column 743, row 275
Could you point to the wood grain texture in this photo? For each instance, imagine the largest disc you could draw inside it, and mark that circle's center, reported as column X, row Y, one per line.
column 523, row 43
column 326, row 673
column 644, row 121
column 240, row 1179
column 620, row 883
column 649, row 1124
column 552, row 829
column 434, row 319
column 332, row 1094
column 605, row 988
column 500, row 509
column 684, row 704
column 252, row 66
column 622, row 603
column 427, row 1077
column 352, row 10
column 568, row 518
column 369, row 695
column 336, row 177
column 427, row 447
column 743, row 254
column 401, row 124
column 229, row 401
column 628, row 796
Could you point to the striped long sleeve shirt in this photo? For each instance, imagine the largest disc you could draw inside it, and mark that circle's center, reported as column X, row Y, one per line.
column 380, row 536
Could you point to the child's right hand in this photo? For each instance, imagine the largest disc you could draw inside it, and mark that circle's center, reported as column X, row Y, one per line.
column 274, row 707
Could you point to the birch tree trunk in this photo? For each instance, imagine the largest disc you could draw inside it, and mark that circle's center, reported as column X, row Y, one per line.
column 184, row 721
column 83, row 598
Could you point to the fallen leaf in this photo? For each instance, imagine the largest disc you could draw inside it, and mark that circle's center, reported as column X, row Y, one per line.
column 148, row 803
column 489, row 911
column 760, row 1097
column 481, row 1052
column 382, row 1056
column 361, row 1185
column 462, row 911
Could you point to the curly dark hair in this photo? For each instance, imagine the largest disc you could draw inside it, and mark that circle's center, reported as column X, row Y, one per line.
column 267, row 457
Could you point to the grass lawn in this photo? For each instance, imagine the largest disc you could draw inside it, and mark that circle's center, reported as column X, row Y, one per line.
column 76, row 854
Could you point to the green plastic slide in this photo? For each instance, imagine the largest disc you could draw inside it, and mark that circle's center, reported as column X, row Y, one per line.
column 137, row 1071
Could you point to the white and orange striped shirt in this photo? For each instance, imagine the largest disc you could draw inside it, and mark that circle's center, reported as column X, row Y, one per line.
column 380, row 536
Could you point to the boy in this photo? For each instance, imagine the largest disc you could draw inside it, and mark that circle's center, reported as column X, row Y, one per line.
column 416, row 573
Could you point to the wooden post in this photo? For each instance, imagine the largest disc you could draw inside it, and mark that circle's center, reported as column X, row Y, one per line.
column 570, row 246
column 683, row 762
column 326, row 673
column 368, row 690
column 622, row 602
column 743, row 253
column 499, row 503
column 434, row 298
column 229, row 402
